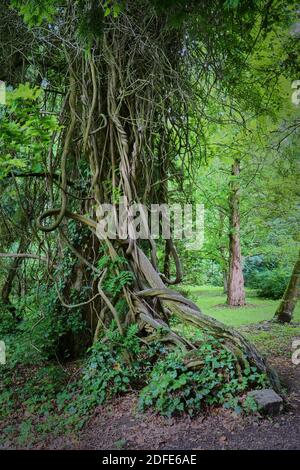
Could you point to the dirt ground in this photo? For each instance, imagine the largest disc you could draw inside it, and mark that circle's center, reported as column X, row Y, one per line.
column 117, row 425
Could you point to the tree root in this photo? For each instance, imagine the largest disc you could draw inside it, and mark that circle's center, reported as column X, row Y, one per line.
column 245, row 353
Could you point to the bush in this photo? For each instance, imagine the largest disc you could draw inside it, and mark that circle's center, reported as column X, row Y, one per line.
column 271, row 284
column 253, row 265
column 175, row 388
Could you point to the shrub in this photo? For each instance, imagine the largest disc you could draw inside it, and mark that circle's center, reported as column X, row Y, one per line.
column 271, row 284
column 253, row 265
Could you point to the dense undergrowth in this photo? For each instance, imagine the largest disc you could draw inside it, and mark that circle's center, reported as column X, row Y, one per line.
column 39, row 397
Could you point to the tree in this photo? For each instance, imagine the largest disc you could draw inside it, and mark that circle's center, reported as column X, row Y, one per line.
column 126, row 122
column 284, row 312
column 236, row 292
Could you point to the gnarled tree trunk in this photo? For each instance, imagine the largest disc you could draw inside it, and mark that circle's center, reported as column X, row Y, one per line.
column 118, row 118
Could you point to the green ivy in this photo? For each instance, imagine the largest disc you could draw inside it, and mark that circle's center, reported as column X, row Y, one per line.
column 175, row 388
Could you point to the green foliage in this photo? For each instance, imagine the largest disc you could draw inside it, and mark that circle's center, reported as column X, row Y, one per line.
column 240, row 404
column 35, row 12
column 37, row 337
column 57, row 321
column 113, row 7
column 91, row 14
column 90, row 26
column 7, row 323
column 175, row 388
column 271, row 284
column 226, row 38
column 113, row 367
column 117, row 275
column 232, row 3
column 59, row 400
column 37, row 387
column 109, row 371
column 25, row 433
column 44, row 385
column 267, row 276
column 254, row 265
column 25, row 131
column 24, row 344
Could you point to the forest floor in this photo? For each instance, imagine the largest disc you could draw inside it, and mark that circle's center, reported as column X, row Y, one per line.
column 118, row 424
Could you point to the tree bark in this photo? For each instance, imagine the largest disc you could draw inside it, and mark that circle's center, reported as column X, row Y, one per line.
column 236, row 292
column 284, row 312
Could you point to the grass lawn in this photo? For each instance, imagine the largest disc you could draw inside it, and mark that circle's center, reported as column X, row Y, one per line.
column 211, row 301
column 274, row 339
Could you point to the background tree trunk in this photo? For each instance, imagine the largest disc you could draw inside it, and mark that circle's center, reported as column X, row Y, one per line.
column 236, row 292
column 12, row 272
column 284, row 312
column 225, row 282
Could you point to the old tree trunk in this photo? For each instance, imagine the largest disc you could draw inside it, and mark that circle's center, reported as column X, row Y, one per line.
column 120, row 139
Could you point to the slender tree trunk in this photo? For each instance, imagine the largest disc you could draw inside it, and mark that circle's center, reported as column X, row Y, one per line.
column 8, row 284
column 284, row 312
column 225, row 282
column 236, row 292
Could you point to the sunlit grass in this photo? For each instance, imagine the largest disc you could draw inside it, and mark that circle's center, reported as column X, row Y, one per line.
column 272, row 339
column 212, row 301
